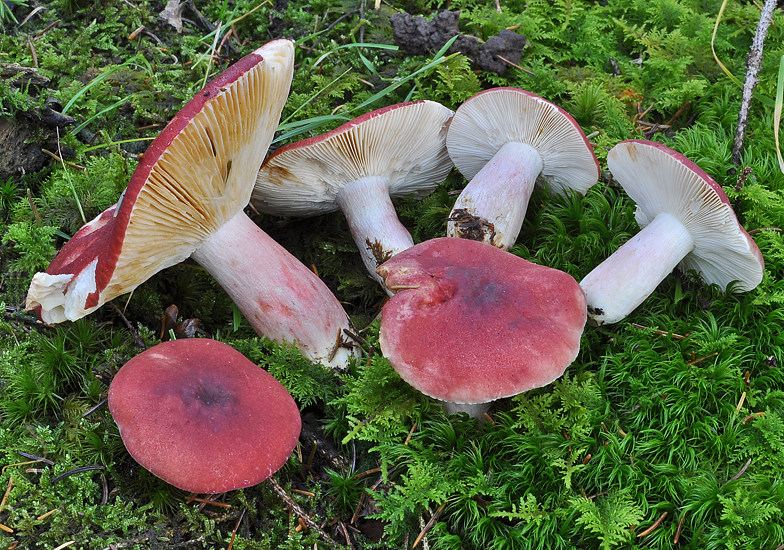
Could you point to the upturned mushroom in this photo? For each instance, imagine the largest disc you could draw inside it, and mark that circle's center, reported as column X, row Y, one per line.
column 686, row 220
column 186, row 199
column 202, row 417
column 358, row 168
column 505, row 140
column 471, row 323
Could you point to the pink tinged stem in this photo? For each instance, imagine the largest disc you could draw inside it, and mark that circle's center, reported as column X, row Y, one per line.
column 631, row 274
column 499, row 194
column 280, row 297
column 373, row 221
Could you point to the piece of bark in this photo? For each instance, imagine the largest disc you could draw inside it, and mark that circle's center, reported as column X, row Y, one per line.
column 753, row 64
column 29, row 76
column 172, row 14
column 20, row 152
column 418, row 36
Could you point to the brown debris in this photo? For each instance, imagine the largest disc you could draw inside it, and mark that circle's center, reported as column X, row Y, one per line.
column 472, row 227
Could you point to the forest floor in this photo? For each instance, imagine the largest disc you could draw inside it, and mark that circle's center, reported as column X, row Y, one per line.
column 667, row 431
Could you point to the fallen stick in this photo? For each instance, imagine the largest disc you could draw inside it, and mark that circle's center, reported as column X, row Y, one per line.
column 753, row 64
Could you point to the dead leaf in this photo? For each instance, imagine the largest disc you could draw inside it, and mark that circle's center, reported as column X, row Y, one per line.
column 172, row 14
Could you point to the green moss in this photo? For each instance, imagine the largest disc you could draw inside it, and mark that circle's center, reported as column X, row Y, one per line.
column 659, row 413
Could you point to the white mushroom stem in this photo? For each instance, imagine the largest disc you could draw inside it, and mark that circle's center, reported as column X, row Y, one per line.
column 498, row 195
column 280, row 297
column 373, row 221
column 474, row 410
column 621, row 282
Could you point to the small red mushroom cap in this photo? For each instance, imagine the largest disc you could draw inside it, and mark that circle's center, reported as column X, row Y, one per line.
column 471, row 323
column 202, row 417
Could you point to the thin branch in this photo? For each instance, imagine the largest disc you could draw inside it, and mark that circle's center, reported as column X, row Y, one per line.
column 653, row 527
column 753, row 64
column 294, row 507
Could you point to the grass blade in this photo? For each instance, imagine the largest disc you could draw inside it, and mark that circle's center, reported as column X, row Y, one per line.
column 97, row 80
column 777, row 113
column 99, row 113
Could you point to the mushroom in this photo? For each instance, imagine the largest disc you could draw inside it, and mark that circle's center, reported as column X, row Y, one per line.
column 358, row 167
column 471, row 323
column 686, row 221
column 201, row 416
column 504, row 140
column 186, row 198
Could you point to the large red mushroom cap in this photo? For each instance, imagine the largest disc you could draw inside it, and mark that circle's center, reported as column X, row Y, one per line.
column 195, row 176
column 202, row 417
column 186, row 198
column 471, row 323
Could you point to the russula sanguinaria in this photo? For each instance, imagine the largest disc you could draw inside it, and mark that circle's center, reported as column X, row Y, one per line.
column 202, row 417
column 358, row 168
column 186, row 198
column 686, row 220
column 505, row 140
column 471, row 323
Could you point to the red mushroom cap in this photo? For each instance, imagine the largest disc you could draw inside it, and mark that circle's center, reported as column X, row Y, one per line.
column 202, row 417
column 194, row 177
column 472, row 323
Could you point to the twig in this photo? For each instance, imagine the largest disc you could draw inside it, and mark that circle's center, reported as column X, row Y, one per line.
column 47, row 514
column 298, row 510
column 360, row 475
column 237, row 526
column 210, row 502
column 662, row 332
column 332, row 26
column 359, row 508
column 653, row 527
column 35, row 458
column 33, row 53
column 677, row 113
column 58, row 158
column 761, row 229
column 410, row 433
column 362, row 18
column 33, row 207
column 515, row 65
column 753, row 64
column 136, row 338
column 79, row 470
column 345, row 534
column 753, row 415
column 694, row 362
column 740, row 402
column 94, row 408
column 7, row 492
column 678, row 530
column 429, row 524
column 741, row 472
